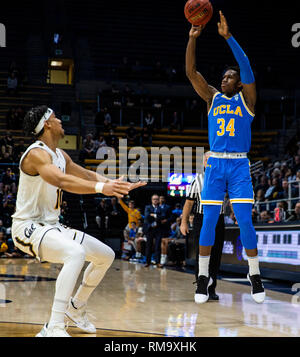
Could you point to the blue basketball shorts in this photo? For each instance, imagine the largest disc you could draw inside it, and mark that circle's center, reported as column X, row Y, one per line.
column 227, row 175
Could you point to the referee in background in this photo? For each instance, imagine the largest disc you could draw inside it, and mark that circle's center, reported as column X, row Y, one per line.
column 193, row 204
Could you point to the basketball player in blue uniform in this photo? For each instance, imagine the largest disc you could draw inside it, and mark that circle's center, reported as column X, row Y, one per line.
column 230, row 114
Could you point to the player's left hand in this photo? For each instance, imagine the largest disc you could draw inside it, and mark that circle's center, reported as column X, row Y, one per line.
column 133, row 185
column 223, row 27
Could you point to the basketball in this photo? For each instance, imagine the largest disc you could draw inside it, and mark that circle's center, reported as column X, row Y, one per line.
column 198, row 12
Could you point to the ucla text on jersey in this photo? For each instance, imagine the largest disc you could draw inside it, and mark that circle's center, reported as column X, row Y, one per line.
column 229, row 124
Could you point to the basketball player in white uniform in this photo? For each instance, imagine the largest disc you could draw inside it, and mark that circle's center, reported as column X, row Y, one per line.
column 45, row 171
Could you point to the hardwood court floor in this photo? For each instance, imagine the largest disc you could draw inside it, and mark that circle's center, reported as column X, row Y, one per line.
column 133, row 301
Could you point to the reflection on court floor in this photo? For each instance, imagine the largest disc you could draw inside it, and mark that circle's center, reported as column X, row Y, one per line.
column 137, row 301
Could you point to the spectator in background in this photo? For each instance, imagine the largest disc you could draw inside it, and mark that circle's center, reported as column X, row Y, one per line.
column 265, row 217
column 148, row 129
column 176, row 123
column 273, row 190
column 152, row 218
column 285, row 190
column 65, row 217
column 131, row 134
column 263, row 184
column 7, row 144
column 8, row 181
column 133, row 215
column 172, row 248
column 296, row 165
column 9, row 205
column 112, row 140
column 166, row 216
column 107, row 122
column 88, row 148
column 3, row 245
column 12, row 84
column 280, row 212
column 140, row 241
column 114, row 217
column 260, row 197
column 101, row 148
column 176, row 212
column 254, row 215
column 295, row 216
column 11, row 117
column 230, row 219
column 19, row 150
column 102, row 215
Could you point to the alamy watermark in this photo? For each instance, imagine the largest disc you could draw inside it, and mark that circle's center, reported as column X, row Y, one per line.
column 296, row 36
column 2, row 36
column 154, row 166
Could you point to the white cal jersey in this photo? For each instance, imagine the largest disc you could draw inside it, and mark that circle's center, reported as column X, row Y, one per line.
column 37, row 200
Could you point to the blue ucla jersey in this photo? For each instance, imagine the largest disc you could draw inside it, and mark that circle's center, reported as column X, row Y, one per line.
column 229, row 124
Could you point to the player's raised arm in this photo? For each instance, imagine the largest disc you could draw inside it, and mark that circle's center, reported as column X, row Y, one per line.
column 247, row 76
column 205, row 91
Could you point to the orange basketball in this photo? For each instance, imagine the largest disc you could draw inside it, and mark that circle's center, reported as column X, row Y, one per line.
column 198, row 12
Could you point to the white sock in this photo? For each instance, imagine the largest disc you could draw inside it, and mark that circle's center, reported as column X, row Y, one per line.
column 253, row 265
column 163, row 258
column 138, row 255
column 203, row 262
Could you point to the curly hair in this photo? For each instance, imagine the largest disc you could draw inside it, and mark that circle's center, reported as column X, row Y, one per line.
column 32, row 118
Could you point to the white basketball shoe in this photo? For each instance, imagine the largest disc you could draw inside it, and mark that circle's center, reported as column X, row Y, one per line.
column 57, row 330
column 79, row 317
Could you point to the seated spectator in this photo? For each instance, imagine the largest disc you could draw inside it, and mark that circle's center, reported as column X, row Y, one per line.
column 129, row 243
column 11, row 118
column 265, row 217
column 9, row 205
column 295, row 216
column 64, row 217
column 176, row 123
column 131, row 134
column 263, row 184
column 230, row 219
column 19, row 150
column 112, row 140
column 170, row 246
column 88, row 148
column 102, row 149
column 176, row 212
column 254, row 215
column 260, row 197
column 12, row 84
column 296, row 164
column 273, row 190
column 107, row 122
column 140, row 242
column 134, row 215
column 285, row 190
column 7, row 144
column 148, row 128
column 114, row 213
column 6, row 159
column 8, row 181
column 289, row 175
column 280, row 212
column 102, row 215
